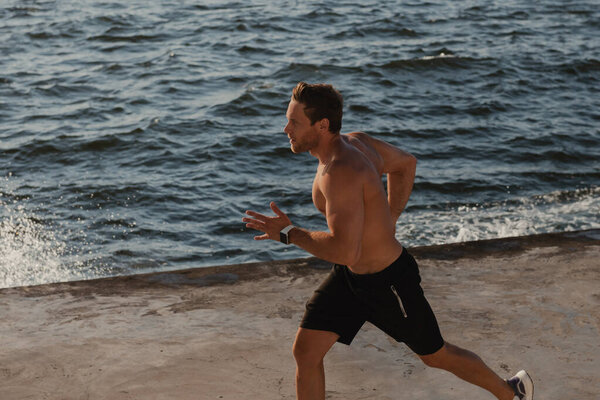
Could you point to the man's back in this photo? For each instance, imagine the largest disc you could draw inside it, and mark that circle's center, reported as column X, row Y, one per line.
column 360, row 165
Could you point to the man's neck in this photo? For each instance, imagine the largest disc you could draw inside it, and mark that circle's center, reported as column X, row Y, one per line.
column 327, row 148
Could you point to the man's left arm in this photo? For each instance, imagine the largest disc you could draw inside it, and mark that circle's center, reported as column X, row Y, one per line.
column 400, row 167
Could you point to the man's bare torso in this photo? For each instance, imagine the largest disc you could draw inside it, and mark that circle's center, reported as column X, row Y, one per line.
column 379, row 247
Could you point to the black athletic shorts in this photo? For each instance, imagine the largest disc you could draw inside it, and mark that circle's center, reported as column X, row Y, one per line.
column 391, row 299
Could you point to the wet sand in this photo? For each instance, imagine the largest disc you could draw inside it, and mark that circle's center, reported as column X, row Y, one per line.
column 226, row 332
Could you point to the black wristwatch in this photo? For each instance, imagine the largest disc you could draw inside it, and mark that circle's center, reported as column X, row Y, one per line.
column 284, row 234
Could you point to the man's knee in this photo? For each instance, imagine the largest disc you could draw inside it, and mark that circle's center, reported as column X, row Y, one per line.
column 306, row 355
column 431, row 360
column 310, row 347
column 437, row 359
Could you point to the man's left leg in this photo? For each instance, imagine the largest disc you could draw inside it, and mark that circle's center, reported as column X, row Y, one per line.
column 469, row 367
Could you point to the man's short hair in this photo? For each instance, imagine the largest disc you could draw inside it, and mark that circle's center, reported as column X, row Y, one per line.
column 320, row 101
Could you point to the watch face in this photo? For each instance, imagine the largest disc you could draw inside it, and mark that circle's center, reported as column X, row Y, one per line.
column 284, row 234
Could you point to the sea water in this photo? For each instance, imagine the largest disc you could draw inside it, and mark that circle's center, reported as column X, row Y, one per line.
column 133, row 135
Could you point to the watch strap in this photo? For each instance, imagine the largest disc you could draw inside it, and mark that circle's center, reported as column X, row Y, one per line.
column 284, row 234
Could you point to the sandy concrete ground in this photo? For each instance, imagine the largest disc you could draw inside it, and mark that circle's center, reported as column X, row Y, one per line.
column 226, row 332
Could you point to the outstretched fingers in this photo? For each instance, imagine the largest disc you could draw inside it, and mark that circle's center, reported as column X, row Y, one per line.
column 254, row 224
column 256, row 215
column 276, row 209
column 270, row 226
column 280, row 214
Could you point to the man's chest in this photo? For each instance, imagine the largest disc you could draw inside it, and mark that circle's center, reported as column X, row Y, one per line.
column 317, row 195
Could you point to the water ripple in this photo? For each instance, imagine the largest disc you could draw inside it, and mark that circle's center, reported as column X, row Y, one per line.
column 135, row 134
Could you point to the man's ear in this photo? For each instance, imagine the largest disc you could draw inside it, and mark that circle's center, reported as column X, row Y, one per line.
column 323, row 125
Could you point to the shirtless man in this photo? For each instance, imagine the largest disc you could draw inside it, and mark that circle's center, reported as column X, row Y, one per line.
column 373, row 278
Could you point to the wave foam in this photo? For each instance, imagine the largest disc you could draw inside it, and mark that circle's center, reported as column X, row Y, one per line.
column 31, row 252
column 552, row 212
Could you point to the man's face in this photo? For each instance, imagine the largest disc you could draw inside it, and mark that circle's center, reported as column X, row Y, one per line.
column 303, row 136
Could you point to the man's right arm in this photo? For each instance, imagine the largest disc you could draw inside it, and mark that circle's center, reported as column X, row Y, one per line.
column 400, row 167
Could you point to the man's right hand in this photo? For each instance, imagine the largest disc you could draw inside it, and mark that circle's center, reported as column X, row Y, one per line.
column 271, row 226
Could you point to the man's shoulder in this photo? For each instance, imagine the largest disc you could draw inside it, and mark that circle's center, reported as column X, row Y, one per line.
column 340, row 177
column 343, row 166
column 348, row 169
column 365, row 154
column 353, row 137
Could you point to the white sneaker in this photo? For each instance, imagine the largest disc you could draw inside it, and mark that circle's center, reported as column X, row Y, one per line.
column 522, row 384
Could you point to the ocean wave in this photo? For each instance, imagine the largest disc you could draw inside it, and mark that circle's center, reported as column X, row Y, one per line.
column 251, row 102
column 383, row 28
column 463, row 186
column 262, row 50
column 323, row 14
column 514, row 33
column 584, row 68
column 45, row 35
column 315, row 70
column 56, row 89
column 149, row 146
column 550, row 138
column 579, row 67
column 68, row 145
column 232, row 5
column 22, row 12
column 487, row 108
column 111, row 38
column 566, row 155
column 544, row 213
column 441, row 60
column 273, row 24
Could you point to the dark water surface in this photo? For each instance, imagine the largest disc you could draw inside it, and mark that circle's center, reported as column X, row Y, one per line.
column 134, row 134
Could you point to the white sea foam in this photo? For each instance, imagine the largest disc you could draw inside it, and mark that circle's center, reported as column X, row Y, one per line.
column 556, row 211
column 441, row 55
column 31, row 251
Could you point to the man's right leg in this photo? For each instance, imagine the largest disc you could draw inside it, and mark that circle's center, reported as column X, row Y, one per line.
column 309, row 350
